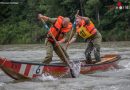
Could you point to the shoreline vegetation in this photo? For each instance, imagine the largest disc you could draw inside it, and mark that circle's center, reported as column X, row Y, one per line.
column 19, row 23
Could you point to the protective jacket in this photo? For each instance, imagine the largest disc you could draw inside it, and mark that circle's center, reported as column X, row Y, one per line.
column 58, row 30
column 86, row 30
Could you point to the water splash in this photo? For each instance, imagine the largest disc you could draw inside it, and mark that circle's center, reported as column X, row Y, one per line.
column 1, row 84
column 127, row 66
column 76, row 66
column 46, row 77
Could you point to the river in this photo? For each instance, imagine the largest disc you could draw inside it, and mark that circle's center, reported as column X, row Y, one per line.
column 114, row 79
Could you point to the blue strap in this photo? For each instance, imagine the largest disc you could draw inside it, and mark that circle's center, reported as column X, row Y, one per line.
column 74, row 24
column 46, row 26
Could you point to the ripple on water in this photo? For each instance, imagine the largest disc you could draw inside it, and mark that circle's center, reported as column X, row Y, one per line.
column 2, row 86
column 117, row 79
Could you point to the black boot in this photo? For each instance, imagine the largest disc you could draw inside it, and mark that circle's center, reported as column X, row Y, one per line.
column 88, row 58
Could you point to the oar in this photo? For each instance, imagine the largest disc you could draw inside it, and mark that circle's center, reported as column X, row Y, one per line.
column 71, row 33
column 66, row 60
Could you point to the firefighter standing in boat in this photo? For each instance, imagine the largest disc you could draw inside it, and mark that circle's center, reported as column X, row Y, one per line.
column 60, row 27
column 86, row 29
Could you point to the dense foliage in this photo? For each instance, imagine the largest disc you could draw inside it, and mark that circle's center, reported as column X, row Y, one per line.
column 19, row 23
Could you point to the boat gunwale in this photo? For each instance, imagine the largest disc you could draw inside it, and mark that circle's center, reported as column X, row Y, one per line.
column 61, row 65
column 116, row 58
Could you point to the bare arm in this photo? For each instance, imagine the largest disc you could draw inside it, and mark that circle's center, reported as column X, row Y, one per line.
column 86, row 19
column 73, row 38
column 45, row 18
column 64, row 39
column 52, row 20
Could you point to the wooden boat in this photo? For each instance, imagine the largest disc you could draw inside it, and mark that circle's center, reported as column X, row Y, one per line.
column 27, row 70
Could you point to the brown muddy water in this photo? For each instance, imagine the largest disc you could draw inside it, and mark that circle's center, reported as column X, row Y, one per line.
column 114, row 79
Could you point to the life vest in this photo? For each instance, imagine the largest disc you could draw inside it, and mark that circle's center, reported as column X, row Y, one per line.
column 58, row 30
column 85, row 30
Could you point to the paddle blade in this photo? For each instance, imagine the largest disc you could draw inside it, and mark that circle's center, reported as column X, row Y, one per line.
column 75, row 69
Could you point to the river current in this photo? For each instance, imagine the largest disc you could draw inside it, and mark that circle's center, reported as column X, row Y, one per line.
column 113, row 79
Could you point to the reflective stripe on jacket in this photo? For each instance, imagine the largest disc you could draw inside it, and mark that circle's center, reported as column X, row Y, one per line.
column 86, row 30
column 58, row 30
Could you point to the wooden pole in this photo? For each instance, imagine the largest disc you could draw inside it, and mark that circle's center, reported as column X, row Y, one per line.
column 59, row 47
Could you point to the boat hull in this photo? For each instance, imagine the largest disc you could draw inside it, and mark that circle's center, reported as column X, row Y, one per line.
column 26, row 70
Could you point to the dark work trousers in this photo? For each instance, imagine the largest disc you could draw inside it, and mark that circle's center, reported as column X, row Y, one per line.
column 94, row 44
column 49, row 53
